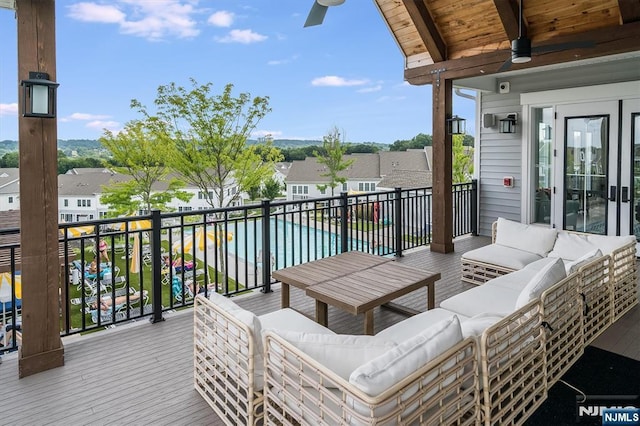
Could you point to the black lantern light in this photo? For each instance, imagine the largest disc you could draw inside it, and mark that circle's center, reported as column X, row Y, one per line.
column 508, row 124
column 456, row 125
column 39, row 96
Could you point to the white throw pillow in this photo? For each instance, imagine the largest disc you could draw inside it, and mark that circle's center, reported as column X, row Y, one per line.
column 532, row 238
column 388, row 369
column 341, row 353
column 548, row 276
column 572, row 266
column 476, row 325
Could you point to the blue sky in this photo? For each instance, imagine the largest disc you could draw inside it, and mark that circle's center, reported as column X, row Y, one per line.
column 347, row 72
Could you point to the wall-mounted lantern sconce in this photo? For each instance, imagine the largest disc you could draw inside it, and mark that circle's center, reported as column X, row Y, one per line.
column 508, row 125
column 39, row 96
column 456, row 125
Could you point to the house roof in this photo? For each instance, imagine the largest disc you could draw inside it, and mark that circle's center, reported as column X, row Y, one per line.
column 87, row 184
column 9, row 176
column 86, row 170
column 468, row 38
column 364, row 166
column 406, row 179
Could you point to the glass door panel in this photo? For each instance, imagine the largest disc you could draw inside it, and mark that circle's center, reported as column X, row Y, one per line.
column 542, row 177
column 635, row 136
column 586, row 164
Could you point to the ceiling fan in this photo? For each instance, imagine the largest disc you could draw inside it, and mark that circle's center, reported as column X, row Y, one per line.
column 318, row 10
column 521, row 49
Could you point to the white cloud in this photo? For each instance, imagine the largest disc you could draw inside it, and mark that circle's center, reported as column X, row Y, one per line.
column 85, row 116
column 241, row 36
column 333, row 80
column 92, row 12
column 153, row 20
column 221, row 18
column 370, row 89
column 282, row 61
column 264, row 133
column 9, row 109
column 390, row 98
column 100, row 125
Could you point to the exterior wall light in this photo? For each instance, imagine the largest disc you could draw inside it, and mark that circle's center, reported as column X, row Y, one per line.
column 39, row 96
column 508, row 124
column 456, row 125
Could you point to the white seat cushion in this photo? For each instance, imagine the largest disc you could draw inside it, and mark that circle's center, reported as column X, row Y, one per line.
column 341, row 353
column 411, row 326
column 571, row 266
column 500, row 255
column 548, row 276
column 388, row 369
column 532, row 238
column 482, row 299
column 476, row 325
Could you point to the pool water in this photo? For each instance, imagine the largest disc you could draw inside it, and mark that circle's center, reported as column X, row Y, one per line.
column 291, row 243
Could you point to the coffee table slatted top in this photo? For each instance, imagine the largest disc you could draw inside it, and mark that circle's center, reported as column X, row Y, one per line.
column 328, row 268
column 381, row 283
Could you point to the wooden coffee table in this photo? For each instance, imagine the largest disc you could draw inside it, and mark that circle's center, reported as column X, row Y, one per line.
column 321, row 270
column 356, row 282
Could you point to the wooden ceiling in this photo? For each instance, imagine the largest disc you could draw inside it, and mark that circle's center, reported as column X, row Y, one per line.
column 467, row 38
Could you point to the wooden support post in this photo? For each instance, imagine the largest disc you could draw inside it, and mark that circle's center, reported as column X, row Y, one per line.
column 442, row 228
column 41, row 344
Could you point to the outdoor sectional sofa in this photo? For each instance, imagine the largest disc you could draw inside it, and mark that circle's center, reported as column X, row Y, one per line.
column 515, row 245
column 486, row 356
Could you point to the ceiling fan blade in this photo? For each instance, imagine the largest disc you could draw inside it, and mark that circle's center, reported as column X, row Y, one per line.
column 507, row 64
column 563, row 46
column 316, row 15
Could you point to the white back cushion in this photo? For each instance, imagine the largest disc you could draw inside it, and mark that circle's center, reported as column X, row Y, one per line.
column 388, row 369
column 531, row 238
column 570, row 246
column 551, row 274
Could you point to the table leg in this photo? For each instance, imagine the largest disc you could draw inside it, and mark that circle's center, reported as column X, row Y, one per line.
column 368, row 322
column 322, row 314
column 284, row 296
column 431, row 297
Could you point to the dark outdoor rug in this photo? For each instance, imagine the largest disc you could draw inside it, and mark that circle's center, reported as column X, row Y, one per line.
column 596, row 373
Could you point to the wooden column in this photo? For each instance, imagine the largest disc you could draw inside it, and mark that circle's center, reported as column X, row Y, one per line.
column 41, row 345
column 442, row 238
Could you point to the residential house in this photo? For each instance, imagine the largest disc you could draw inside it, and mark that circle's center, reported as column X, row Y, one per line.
column 364, row 175
column 9, row 189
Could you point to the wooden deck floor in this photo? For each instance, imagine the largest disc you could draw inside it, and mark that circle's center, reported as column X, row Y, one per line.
column 142, row 373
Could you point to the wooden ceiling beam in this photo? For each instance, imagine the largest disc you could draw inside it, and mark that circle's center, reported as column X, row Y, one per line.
column 608, row 41
column 427, row 29
column 508, row 12
column 629, row 11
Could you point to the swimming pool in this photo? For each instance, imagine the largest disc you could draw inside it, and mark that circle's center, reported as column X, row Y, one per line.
column 291, row 243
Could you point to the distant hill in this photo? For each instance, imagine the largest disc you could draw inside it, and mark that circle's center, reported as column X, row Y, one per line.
column 90, row 147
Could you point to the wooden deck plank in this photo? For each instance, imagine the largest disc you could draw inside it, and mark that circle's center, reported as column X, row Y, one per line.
column 142, row 373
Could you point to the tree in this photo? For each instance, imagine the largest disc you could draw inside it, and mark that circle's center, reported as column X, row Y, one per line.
column 142, row 157
column 462, row 166
column 333, row 159
column 207, row 134
column 271, row 188
column 10, row 160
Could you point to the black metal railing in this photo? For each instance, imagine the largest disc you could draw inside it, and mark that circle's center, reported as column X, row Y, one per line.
column 146, row 265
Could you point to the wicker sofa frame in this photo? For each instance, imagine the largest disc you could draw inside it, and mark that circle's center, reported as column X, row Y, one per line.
column 224, row 364
column 300, row 390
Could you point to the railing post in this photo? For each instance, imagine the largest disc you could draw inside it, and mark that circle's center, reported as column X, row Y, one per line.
column 474, row 207
column 156, row 224
column 344, row 214
column 397, row 201
column 266, row 245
